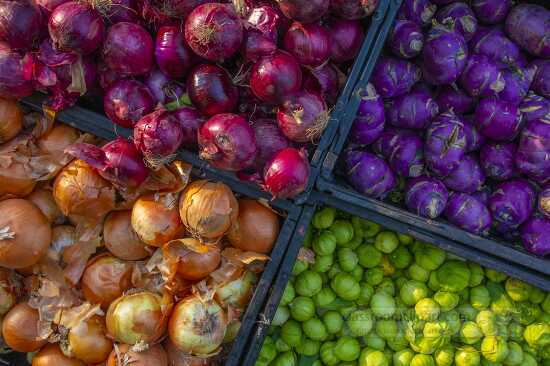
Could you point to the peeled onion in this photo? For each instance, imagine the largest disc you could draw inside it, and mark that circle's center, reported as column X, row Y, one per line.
column 154, row 355
column 43, row 199
column 51, row 355
column 58, row 139
column 195, row 260
column 20, row 329
column 11, row 119
column 121, row 239
column 88, row 342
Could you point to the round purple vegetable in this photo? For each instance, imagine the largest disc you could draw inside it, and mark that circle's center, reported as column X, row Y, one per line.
column 516, row 84
column 369, row 174
column 534, row 107
column 511, row 204
column 498, row 120
column 461, row 17
column 385, row 144
column 406, row 156
column 392, row 76
column 528, row 25
column 412, row 110
column 534, row 235
column 491, row 11
column 452, row 97
column 444, row 55
column 445, row 144
column 468, row 213
column 481, row 77
column 541, row 78
column 493, row 43
column 419, row 11
column 128, row 49
column 483, row 195
column 533, row 155
column 467, row 177
column 369, row 122
column 426, row 196
column 544, row 202
column 271, row 141
column 163, row 88
column 406, row 39
column 474, row 139
column 127, row 101
column 497, row 160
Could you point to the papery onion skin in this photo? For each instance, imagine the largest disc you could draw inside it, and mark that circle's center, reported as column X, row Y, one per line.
column 346, row 39
column 158, row 135
column 15, row 73
column 163, row 88
column 8, row 297
column 63, row 237
column 271, row 141
column 303, row 116
column 256, row 44
column 128, row 49
column 255, row 229
column 193, row 266
column 323, row 80
column 179, row 358
column 127, row 101
column 236, row 293
column 309, row 43
column 20, row 329
column 197, row 327
column 156, row 221
column 88, row 342
column 20, row 23
column 30, row 231
column 353, row 9
column 304, row 11
column 211, row 90
column 269, row 20
column 190, row 121
column 208, row 209
column 121, row 239
column 14, row 179
column 287, row 173
column 122, row 11
column 51, row 355
column 58, row 139
column 154, row 355
column 173, row 56
column 276, row 76
column 43, row 199
column 11, row 119
column 105, row 279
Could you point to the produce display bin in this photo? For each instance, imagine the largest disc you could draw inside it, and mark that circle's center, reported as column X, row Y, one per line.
column 319, row 199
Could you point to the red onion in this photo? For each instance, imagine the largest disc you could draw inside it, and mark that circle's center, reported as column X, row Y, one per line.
column 126, row 101
column 305, row 11
column 164, row 89
column 47, row 6
column 269, row 21
column 276, row 76
column 174, row 58
column 324, row 81
column 122, row 11
column 287, row 173
column 128, row 49
column 107, row 76
column 303, row 116
column 227, row 141
column 251, row 108
column 190, row 121
column 76, row 26
column 20, row 23
column 51, row 57
column 271, row 141
column 118, row 161
column 353, row 9
column 15, row 73
column 211, row 90
column 309, row 43
column 256, row 44
column 214, row 31
column 346, row 38
column 168, row 11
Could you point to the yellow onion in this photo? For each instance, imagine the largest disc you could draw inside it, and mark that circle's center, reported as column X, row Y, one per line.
column 179, row 358
column 236, row 293
column 20, row 329
column 139, row 317
column 232, row 331
column 57, row 140
column 8, row 297
column 152, row 356
column 11, row 119
column 25, row 233
column 88, row 342
column 43, row 199
column 197, row 326
column 15, row 181
column 194, row 260
column 121, row 239
column 63, row 237
column 208, row 209
column 51, row 355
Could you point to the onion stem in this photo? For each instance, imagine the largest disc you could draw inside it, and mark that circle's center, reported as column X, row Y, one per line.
column 5, row 233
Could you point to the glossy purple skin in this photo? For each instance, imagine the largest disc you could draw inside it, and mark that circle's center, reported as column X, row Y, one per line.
column 303, row 116
column 346, row 39
column 15, row 73
column 535, row 107
column 287, row 173
column 498, row 120
column 419, row 11
column 77, row 27
column 392, row 76
column 353, row 9
column 256, row 44
column 452, row 97
column 127, row 101
column 128, row 49
column 544, row 202
column 21, row 23
column 527, row 25
column 211, row 90
column 47, row 6
column 481, row 77
column 173, row 56
column 445, row 144
column 324, row 81
column 164, row 89
column 468, row 213
column 369, row 174
column 214, row 31
column 493, row 43
column 444, row 55
column 123, row 11
column 308, row 43
column 51, row 57
column 533, row 154
column 271, row 141
column 534, row 235
column 516, row 85
column 474, row 139
column 275, row 77
column 158, row 135
column 388, row 139
column 491, row 11
column 306, row 11
column 483, row 195
column 406, row 157
column 511, row 204
column 412, row 110
column 497, row 160
column 541, row 78
column 426, row 196
column 406, row 39
column 268, row 20
column 370, row 120
column 190, row 121
column 468, row 177
column 461, row 16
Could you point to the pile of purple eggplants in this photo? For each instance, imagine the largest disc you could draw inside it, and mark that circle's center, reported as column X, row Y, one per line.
column 248, row 85
column 456, row 117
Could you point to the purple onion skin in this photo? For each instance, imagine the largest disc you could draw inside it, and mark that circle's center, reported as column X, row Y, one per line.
column 533, row 154
column 127, row 101
column 308, row 43
column 445, row 144
column 481, row 77
column 393, row 77
column 474, row 139
column 305, row 11
column 324, row 81
column 128, row 49
column 426, row 196
column 303, row 116
column 452, row 97
column 461, row 17
column 269, row 20
column 534, row 235
column 211, row 90
column 544, row 202
column 123, row 11
column 419, row 11
column 497, row 160
column 190, row 121
column 406, row 39
column 498, row 120
column 15, row 73
column 511, row 204
column 491, row 11
column 76, row 27
column 346, row 39
column 173, row 56
column 48, row 6
column 164, row 89
column 493, row 43
column 256, row 44
column 369, row 174
column 444, row 55
column 51, row 57
column 286, row 175
column 21, row 23
column 483, row 195
column 516, row 85
column 270, row 139
column 406, row 158
column 527, row 25
column 468, row 177
column 353, row 9
column 370, row 120
column 275, row 77
column 541, row 78
column 412, row 110
column 468, row 213
column 158, row 135
column 535, row 107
